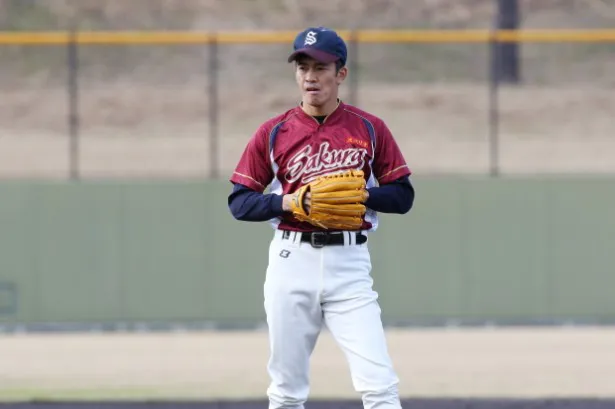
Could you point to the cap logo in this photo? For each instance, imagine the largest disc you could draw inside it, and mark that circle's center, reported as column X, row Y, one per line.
column 310, row 38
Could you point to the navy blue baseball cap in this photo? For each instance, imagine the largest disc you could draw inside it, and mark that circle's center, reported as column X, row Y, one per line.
column 320, row 43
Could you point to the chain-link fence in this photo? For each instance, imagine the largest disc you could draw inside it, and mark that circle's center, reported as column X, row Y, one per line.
column 177, row 104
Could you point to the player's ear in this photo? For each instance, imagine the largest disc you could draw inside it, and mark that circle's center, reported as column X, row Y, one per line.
column 341, row 75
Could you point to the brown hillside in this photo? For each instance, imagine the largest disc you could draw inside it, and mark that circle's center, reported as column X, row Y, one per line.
column 249, row 14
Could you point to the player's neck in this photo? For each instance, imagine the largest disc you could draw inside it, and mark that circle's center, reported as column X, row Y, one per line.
column 323, row 110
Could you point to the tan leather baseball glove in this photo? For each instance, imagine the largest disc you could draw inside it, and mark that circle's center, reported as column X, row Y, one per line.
column 336, row 201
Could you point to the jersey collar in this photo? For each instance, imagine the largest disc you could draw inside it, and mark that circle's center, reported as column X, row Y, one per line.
column 328, row 120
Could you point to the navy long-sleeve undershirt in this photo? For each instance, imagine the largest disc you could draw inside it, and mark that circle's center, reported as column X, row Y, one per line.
column 248, row 205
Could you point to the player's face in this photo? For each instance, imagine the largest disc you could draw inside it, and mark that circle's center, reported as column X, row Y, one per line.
column 318, row 82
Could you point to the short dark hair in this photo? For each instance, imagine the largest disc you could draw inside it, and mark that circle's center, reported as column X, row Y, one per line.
column 338, row 65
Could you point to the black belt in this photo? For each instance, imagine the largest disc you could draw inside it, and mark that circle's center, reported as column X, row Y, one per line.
column 324, row 238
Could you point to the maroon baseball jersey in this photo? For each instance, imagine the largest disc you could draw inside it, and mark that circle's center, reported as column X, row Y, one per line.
column 292, row 149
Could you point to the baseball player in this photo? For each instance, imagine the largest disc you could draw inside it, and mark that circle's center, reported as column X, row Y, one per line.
column 330, row 168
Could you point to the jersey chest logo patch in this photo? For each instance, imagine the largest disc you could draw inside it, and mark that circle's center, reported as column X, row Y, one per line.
column 356, row 141
column 306, row 165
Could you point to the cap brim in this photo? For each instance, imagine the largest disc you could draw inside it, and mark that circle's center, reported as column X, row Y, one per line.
column 316, row 54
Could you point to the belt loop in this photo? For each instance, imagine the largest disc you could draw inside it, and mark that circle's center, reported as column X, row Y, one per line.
column 363, row 233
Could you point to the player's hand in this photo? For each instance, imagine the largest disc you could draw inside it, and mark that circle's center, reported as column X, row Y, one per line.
column 286, row 200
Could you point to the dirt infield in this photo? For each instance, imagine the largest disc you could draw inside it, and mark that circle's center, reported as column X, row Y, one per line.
column 337, row 404
column 479, row 363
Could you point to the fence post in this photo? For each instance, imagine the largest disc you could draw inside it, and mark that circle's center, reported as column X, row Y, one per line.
column 508, row 19
column 493, row 111
column 213, row 106
column 354, row 68
column 73, row 103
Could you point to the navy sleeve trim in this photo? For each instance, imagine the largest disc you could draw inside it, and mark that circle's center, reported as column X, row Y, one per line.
column 371, row 131
column 395, row 197
column 249, row 205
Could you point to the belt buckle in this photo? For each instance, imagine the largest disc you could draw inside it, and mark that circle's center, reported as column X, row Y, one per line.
column 314, row 242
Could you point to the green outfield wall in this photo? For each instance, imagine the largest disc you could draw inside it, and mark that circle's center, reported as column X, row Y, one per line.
column 512, row 250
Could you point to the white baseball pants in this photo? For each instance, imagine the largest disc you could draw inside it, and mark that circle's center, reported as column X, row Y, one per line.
column 306, row 288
